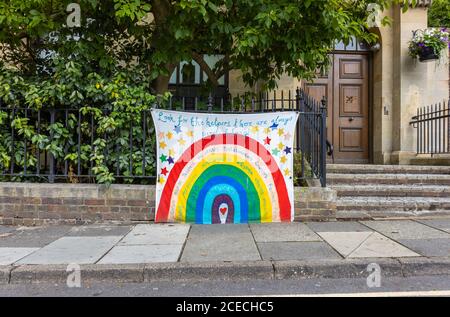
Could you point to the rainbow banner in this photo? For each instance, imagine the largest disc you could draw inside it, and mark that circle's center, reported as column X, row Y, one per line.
column 224, row 168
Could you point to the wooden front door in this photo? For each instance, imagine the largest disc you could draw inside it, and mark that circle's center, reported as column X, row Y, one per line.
column 346, row 88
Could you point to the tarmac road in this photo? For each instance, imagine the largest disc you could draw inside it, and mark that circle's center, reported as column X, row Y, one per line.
column 393, row 286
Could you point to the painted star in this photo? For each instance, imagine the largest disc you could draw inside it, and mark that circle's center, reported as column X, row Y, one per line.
column 170, row 160
column 287, row 172
column 283, row 159
column 280, row 132
column 267, row 141
column 267, row 130
column 275, row 151
column 274, row 126
column 163, row 158
column 181, row 141
column 177, row 129
column 162, row 145
column 161, row 135
column 190, row 133
column 169, row 135
column 164, row 171
column 161, row 180
column 287, row 136
column 280, row 146
column 287, row 150
column 171, row 152
column 254, row 129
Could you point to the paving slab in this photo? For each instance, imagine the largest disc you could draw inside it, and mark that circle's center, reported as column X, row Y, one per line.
column 346, row 226
column 67, row 250
column 152, row 234
column 442, row 224
column 345, row 242
column 405, row 229
column 428, row 247
column 280, row 232
column 33, row 237
column 142, row 254
column 10, row 255
column 220, row 243
column 378, row 246
column 281, row 251
column 98, row 231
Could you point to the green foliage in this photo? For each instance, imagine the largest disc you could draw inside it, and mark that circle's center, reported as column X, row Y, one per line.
column 108, row 111
column 439, row 14
column 298, row 180
column 262, row 38
column 110, row 67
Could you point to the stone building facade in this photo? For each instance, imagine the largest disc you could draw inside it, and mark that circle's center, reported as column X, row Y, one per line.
column 374, row 93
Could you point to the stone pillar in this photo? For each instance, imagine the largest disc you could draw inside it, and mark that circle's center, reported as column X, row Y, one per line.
column 382, row 94
column 415, row 84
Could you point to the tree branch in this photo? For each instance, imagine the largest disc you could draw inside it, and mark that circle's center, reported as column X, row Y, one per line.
column 205, row 67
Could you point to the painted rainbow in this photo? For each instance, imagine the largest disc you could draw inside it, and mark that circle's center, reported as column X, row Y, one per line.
column 223, row 178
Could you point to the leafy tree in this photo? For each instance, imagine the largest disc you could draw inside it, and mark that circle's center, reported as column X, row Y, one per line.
column 439, row 14
column 107, row 69
column 262, row 38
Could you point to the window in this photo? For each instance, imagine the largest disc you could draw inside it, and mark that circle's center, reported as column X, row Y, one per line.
column 189, row 73
column 353, row 45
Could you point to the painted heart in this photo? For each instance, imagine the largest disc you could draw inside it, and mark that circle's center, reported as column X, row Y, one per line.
column 223, row 210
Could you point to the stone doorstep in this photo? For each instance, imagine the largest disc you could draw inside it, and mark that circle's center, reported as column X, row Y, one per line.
column 250, row 270
column 394, row 203
column 392, row 191
column 388, row 181
column 433, row 161
column 385, row 169
column 359, row 215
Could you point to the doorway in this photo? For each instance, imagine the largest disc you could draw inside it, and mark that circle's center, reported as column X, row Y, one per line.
column 346, row 89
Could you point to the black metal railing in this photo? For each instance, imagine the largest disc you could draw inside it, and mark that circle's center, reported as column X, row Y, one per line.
column 432, row 124
column 129, row 153
column 310, row 138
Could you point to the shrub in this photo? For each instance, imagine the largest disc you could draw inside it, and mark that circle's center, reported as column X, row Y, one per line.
column 106, row 109
column 298, row 180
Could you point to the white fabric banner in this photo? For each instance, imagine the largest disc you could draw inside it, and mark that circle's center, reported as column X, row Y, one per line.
column 224, row 168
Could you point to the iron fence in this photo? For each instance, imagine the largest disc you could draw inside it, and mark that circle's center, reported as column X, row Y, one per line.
column 67, row 144
column 432, row 124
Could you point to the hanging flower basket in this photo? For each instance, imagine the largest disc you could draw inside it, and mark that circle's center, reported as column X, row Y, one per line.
column 427, row 54
column 427, row 45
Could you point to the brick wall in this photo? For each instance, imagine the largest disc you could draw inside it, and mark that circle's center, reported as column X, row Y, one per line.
column 37, row 204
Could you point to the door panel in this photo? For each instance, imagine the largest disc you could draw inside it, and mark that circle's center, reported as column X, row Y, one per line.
column 351, row 97
column 346, row 88
column 320, row 88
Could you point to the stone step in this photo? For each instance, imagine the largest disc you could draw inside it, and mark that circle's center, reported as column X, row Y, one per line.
column 387, row 179
column 392, row 190
column 389, row 204
column 386, row 169
column 355, row 215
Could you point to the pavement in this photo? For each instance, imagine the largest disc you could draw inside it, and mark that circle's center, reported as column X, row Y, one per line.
column 171, row 252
